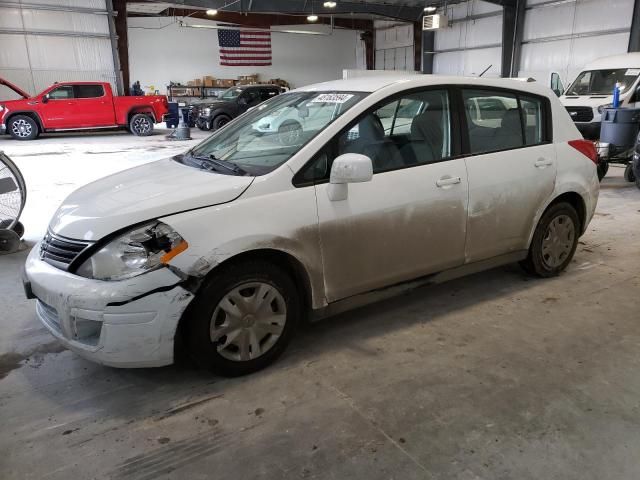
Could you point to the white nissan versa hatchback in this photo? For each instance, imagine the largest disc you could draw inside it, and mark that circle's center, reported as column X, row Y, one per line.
column 227, row 247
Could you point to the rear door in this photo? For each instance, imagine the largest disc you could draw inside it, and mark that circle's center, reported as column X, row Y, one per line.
column 511, row 167
column 59, row 109
column 94, row 106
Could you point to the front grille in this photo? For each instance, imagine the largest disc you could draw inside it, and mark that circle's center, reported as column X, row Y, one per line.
column 60, row 252
column 580, row 114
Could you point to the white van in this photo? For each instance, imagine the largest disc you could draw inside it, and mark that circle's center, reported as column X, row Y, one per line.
column 592, row 91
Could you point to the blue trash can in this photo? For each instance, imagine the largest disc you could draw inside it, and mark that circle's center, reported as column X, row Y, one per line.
column 619, row 129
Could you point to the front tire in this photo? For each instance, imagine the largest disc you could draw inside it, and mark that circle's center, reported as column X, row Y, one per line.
column 220, row 121
column 629, row 176
column 554, row 241
column 141, row 125
column 242, row 318
column 23, row 127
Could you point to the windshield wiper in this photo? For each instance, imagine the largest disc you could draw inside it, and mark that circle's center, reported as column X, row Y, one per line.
column 212, row 161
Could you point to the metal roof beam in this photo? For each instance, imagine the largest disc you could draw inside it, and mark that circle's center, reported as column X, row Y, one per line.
column 296, row 7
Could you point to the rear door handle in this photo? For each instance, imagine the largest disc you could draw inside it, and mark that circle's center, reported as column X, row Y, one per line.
column 447, row 181
column 543, row 162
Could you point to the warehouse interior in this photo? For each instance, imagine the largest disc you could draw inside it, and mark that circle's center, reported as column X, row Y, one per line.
column 483, row 373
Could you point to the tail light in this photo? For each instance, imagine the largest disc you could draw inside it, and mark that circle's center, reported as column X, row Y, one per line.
column 587, row 148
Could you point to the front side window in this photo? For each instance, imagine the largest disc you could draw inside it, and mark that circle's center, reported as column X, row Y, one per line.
column 267, row 94
column 410, row 130
column 271, row 133
column 88, row 91
column 231, row 93
column 601, row 82
column 64, row 92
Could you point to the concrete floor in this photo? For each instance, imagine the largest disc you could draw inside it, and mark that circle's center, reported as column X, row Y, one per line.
column 495, row 376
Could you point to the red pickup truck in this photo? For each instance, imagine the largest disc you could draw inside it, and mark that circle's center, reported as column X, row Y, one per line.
column 78, row 106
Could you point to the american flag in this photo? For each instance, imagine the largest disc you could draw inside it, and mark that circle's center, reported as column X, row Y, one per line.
column 239, row 48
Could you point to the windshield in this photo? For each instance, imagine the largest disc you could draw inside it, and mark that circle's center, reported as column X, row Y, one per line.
column 271, row 133
column 601, row 82
column 230, row 94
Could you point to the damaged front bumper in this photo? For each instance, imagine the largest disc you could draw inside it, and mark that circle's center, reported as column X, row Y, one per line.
column 128, row 323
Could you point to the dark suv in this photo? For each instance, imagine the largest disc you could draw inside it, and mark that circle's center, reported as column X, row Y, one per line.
column 232, row 103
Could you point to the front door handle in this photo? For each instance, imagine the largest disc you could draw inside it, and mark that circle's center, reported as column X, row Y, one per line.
column 543, row 162
column 447, row 181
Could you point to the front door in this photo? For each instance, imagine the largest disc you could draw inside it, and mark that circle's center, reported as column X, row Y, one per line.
column 512, row 169
column 59, row 109
column 410, row 220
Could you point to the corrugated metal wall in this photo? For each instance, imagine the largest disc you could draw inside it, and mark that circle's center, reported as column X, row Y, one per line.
column 559, row 36
column 563, row 37
column 473, row 41
column 44, row 41
column 394, row 46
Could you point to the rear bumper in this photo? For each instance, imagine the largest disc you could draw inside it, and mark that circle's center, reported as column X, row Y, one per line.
column 129, row 323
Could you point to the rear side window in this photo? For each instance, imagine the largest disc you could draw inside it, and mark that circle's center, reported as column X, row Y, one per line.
column 88, row 91
column 501, row 120
column 532, row 109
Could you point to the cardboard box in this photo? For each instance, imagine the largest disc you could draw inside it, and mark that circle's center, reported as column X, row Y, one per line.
column 191, row 83
column 248, row 79
column 198, row 82
column 225, row 82
column 209, row 81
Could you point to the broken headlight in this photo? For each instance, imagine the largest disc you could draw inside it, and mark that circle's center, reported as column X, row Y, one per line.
column 138, row 251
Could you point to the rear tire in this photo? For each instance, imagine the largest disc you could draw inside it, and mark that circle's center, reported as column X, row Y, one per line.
column 242, row 318
column 554, row 241
column 141, row 125
column 23, row 127
column 629, row 176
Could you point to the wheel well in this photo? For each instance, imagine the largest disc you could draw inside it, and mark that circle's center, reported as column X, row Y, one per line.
column 32, row 115
column 576, row 201
column 135, row 111
column 287, row 262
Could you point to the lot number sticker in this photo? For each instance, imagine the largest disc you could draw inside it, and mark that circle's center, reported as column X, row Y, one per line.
column 332, row 98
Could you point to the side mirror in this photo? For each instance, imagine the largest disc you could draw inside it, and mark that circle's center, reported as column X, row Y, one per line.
column 45, row 98
column 242, row 101
column 346, row 169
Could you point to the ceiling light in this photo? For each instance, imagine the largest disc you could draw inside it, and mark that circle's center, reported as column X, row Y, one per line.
column 429, row 9
column 329, row 4
column 312, row 18
column 212, row 11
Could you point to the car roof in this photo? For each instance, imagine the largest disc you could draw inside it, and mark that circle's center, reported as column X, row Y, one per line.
column 373, row 83
column 626, row 60
column 267, row 85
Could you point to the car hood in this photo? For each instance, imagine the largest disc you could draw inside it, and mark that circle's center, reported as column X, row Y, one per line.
column 15, row 88
column 139, row 194
column 217, row 103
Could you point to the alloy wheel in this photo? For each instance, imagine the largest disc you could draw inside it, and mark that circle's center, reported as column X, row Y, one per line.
column 141, row 125
column 248, row 321
column 21, row 128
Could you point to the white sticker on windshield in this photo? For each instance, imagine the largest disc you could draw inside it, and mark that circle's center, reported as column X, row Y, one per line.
column 332, row 98
column 632, row 72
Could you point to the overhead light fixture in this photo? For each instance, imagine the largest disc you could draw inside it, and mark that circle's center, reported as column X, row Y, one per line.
column 312, row 18
column 430, row 9
column 329, row 4
column 212, row 11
